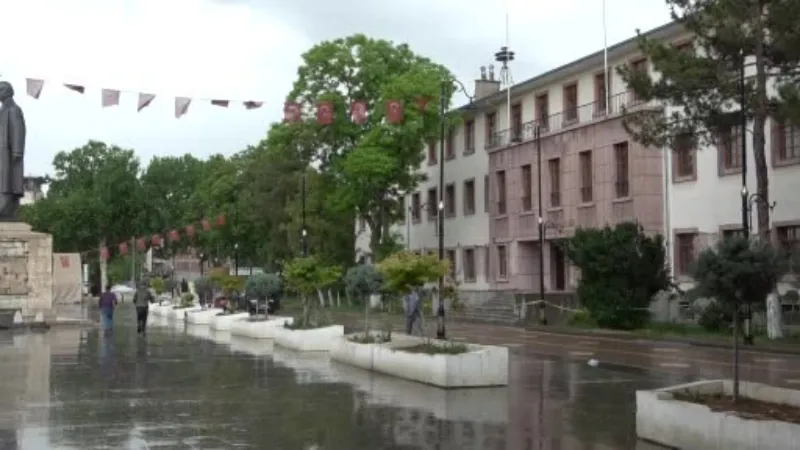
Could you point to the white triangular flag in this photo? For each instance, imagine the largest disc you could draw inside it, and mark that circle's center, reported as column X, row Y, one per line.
column 34, row 87
column 110, row 97
column 181, row 106
column 144, row 101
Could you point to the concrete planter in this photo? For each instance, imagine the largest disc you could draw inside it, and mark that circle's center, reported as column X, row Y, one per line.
column 314, row 340
column 202, row 317
column 481, row 366
column 678, row 424
column 160, row 310
column 198, row 331
column 179, row 315
column 263, row 329
column 223, row 323
column 255, row 347
column 309, row 367
column 219, row 336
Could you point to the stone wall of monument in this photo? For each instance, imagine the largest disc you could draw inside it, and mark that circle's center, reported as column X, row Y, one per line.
column 26, row 270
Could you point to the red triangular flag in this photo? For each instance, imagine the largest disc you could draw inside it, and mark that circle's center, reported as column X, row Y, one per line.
column 325, row 113
column 206, row 225
column 155, row 240
column 123, row 248
column 252, row 105
column 75, row 87
column 422, row 103
column 291, row 112
column 34, row 87
column 190, row 231
column 358, row 112
column 222, row 103
column 182, row 106
column 110, row 97
column 394, row 111
column 103, row 253
column 144, row 101
column 221, row 220
column 174, row 236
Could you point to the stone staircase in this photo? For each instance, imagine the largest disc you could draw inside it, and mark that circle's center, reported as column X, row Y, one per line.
column 499, row 310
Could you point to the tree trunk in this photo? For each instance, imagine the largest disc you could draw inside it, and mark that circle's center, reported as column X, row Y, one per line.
column 774, row 322
column 321, row 298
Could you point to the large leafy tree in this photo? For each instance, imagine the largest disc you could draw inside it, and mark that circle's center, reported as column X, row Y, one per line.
column 700, row 88
column 372, row 164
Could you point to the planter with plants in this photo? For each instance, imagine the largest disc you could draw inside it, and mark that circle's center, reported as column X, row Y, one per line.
column 259, row 329
column 201, row 316
column 312, row 330
column 249, row 346
column 185, row 305
column 224, row 321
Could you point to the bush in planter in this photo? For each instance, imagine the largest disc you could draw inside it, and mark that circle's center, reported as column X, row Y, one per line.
column 170, row 285
column 187, row 300
column 157, row 284
column 264, row 286
column 306, row 276
column 204, row 289
column 361, row 282
column 405, row 271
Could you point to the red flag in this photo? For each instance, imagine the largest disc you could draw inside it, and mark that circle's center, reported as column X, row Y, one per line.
column 206, row 225
column 174, row 236
column 182, row 106
column 144, row 101
column 109, row 97
column 221, row 220
column 324, row 113
column 76, row 87
column 123, row 248
column 155, row 240
column 252, row 105
column 64, row 262
column 190, row 231
column 141, row 244
column 291, row 112
column 358, row 112
column 394, row 111
column 222, row 103
column 34, row 87
column 104, row 253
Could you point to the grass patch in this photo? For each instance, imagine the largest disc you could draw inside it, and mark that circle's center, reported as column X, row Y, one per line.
column 430, row 348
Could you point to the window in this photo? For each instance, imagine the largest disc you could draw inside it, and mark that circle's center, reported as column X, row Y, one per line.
column 554, row 167
column 470, row 274
column 432, row 152
column 732, row 233
column 401, row 206
column 600, row 94
column 558, row 267
column 586, row 176
column 640, row 66
column 486, row 193
column 729, row 150
column 571, row 102
column 416, row 207
column 432, row 204
column 451, row 258
column 685, row 252
column 527, row 187
column 502, row 262
column 487, row 263
column 785, row 143
column 450, row 200
column 501, row 192
column 491, row 129
column 685, row 46
column 516, row 122
column 789, row 239
column 469, row 137
column 450, row 150
column 543, row 111
column 622, row 171
column 469, row 197
column 683, row 158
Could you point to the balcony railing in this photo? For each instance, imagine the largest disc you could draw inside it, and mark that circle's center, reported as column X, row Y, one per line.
column 569, row 117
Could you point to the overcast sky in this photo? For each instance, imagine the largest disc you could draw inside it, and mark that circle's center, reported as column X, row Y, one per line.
column 250, row 50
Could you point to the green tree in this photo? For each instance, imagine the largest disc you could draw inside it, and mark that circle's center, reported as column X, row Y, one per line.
column 306, row 276
column 700, row 88
column 361, row 281
column 376, row 162
column 264, row 285
column 622, row 268
column 404, row 271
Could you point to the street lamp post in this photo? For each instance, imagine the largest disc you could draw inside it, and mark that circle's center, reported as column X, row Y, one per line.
column 303, row 232
column 542, row 318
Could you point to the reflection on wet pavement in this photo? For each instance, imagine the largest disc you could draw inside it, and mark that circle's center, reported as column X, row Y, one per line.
column 187, row 389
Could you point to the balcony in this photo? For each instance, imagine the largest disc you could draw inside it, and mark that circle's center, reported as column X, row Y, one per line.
column 581, row 115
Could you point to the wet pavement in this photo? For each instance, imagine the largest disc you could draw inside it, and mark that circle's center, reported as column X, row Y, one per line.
column 74, row 388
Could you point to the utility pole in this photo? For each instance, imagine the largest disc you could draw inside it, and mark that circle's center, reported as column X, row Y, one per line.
column 542, row 318
column 441, row 331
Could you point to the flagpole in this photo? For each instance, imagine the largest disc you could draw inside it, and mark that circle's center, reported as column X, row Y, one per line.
column 606, row 75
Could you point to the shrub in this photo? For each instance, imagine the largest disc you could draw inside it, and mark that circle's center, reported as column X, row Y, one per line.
column 582, row 318
column 715, row 317
column 157, row 284
column 264, row 285
column 404, row 271
column 306, row 276
column 187, row 299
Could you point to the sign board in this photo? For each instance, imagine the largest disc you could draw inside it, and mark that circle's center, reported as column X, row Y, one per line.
column 13, row 275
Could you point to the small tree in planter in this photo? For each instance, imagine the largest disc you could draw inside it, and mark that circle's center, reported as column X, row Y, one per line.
column 306, row 276
column 170, row 285
column 264, row 286
column 204, row 289
column 361, row 282
column 734, row 273
column 405, row 271
column 187, row 301
column 157, row 285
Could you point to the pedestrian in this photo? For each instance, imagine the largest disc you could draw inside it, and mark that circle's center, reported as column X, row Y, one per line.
column 411, row 307
column 184, row 286
column 107, row 302
column 142, row 299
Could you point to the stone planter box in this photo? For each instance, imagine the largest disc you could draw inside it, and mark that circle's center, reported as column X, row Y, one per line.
column 483, row 405
column 223, row 323
column 180, row 315
column 308, row 367
column 481, row 366
column 219, row 336
column 202, row 317
column 159, row 310
column 262, row 329
column 314, row 340
column 198, row 331
column 255, row 347
column 683, row 425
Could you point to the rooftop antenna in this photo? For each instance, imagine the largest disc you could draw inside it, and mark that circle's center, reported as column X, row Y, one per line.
column 505, row 56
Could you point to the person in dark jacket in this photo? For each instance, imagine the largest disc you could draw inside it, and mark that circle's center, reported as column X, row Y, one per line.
column 107, row 303
column 142, row 299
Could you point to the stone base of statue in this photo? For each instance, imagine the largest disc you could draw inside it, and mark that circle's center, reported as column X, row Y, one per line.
column 26, row 275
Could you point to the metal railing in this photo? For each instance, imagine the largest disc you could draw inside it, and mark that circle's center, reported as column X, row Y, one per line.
column 582, row 114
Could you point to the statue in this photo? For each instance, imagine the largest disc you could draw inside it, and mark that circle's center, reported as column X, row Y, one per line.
column 12, row 154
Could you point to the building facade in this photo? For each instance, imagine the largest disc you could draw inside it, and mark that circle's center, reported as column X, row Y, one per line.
column 32, row 189
column 591, row 174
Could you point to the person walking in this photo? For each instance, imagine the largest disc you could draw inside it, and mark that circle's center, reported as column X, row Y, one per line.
column 142, row 299
column 411, row 307
column 107, row 303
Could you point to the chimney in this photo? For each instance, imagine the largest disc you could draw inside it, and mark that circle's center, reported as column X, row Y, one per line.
column 486, row 85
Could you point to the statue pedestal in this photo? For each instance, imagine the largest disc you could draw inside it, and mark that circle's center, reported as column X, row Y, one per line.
column 26, row 272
